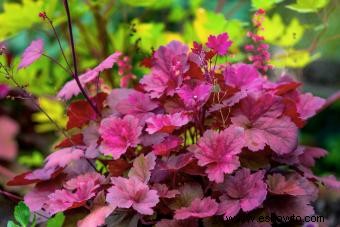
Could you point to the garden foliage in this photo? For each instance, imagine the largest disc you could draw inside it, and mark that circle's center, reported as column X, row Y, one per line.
column 195, row 140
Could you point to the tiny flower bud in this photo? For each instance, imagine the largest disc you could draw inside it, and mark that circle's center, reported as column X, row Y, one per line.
column 43, row 15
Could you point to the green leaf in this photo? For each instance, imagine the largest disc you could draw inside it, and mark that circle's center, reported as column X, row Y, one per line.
column 273, row 28
column 22, row 214
column 277, row 33
column 292, row 35
column 56, row 221
column 308, row 6
column 207, row 23
column 55, row 109
column 264, row 4
column 292, row 58
column 36, row 159
column 12, row 224
column 11, row 23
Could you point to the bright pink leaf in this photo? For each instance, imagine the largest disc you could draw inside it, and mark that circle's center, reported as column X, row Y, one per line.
column 32, row 53
column 169, row 65
column 220, row 43
column 119, row 134
column 165, row 147
column 166, row 122
column 126, row 193
column 218, row 152
column 96, row 217
column 194, row 95
column 308, row 105
column 71, row 88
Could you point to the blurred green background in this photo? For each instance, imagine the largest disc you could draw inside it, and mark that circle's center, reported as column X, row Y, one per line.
column 304, row 36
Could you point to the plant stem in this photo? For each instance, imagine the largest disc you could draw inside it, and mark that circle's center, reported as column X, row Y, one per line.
column 30, row 96
column 56, row 62
column 59, row 43
column 75, row 75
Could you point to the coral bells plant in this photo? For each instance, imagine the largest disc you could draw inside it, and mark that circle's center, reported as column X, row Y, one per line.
column 192, row 143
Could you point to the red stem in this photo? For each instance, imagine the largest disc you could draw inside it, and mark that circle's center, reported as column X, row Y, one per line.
column 75, row 75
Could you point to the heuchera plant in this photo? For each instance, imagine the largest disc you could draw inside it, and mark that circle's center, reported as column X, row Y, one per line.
column 193, row 142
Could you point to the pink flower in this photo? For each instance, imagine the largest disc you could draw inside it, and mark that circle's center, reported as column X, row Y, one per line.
column 199, row 208
column 77, row 191
column 166, row 122
column 243, row 191
column 218, row 151
column 263, row 124
column 165, row 147
column 126, row 193
column 8, row 130
column 32, row 53
column 170, row 63
column 220, row 43
column 194, row 94
column 119, row 134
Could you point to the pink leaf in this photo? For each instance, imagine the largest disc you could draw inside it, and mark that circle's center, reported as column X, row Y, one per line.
column 164, row 192
column 219, row 44
column 164, row 148
column 218, row 152
column 263, row 124
column 96, row 217
column 142, row 166
column 279, row 184
column 71, row 88
column 126, row 193
column 32, row 53
column 308, row 105
column 118, row 135
column 199, row 208
column 244, row 191
column 166, row 122
column 170, row 63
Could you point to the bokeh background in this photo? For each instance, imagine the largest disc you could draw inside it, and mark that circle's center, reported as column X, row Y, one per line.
column 304, row 36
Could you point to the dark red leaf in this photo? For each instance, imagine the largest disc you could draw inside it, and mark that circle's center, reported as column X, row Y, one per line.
column 21, row 180
column 118, row 167
column 74, row 140
column 80, row 112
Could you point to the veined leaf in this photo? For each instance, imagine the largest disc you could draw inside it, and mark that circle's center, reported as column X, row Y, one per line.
column 22, row 214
